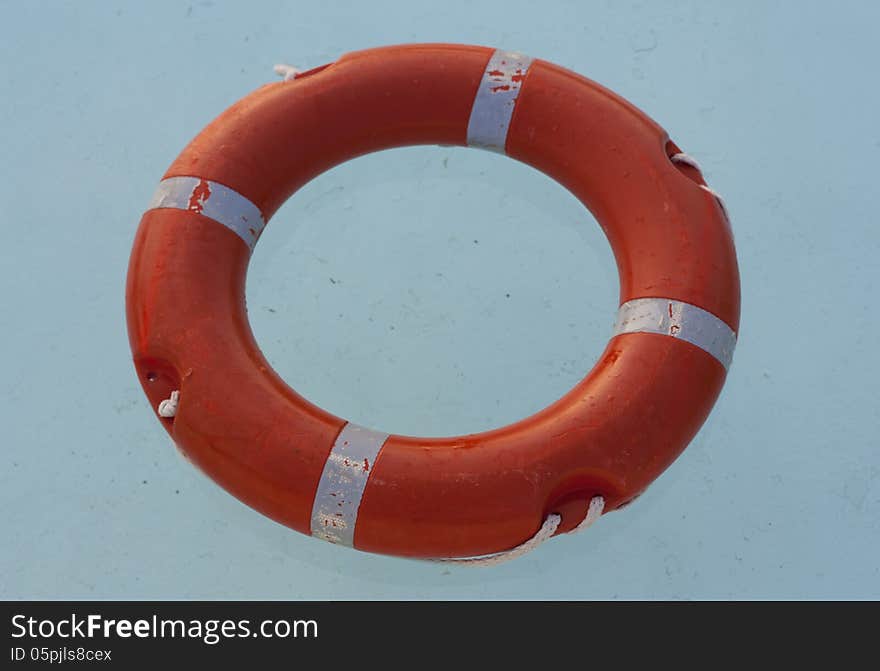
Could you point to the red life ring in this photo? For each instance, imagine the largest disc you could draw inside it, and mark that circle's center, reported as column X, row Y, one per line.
column 610, row 436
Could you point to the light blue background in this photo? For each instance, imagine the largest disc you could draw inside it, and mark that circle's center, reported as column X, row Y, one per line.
column 777, row 497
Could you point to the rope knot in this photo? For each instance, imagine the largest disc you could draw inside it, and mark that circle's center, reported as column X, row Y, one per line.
column 168, row 407
column 288, row 72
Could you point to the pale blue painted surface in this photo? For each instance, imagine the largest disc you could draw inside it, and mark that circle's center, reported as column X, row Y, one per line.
column 381, row 292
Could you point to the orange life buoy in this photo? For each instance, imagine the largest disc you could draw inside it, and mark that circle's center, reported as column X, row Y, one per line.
column 610, row 436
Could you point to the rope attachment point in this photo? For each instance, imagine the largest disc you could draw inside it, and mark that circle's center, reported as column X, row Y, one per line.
column 688, row 160
column 168, row 407
column 548, row 528
column 288, row 72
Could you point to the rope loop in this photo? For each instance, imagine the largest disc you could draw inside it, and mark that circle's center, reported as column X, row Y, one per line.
column 548, row 528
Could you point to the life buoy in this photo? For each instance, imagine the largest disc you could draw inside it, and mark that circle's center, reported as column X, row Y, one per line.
column 610, row 436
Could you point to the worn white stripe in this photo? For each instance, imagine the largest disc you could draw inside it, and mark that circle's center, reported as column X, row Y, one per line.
column 495, row 100
column 212, row 200
column 678, row 320
column 346, row 471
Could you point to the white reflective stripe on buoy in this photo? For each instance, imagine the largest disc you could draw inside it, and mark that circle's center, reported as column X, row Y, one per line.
column 342, row 484
column 678, row 320
column 495, row 100
column 215, row 201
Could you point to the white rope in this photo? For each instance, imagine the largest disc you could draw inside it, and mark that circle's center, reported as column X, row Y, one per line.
column 687, row 159
column 548, row 528
column 287, row 71
column 720, row 200
column 168, row 407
